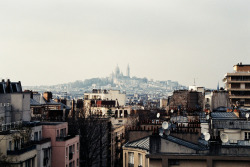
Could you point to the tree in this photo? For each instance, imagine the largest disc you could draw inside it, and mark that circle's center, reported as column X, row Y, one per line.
column 94, row 140
column 18, row 132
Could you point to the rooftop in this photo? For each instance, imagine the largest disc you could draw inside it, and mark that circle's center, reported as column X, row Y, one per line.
column 223, row 115
column 141, row 143
column 185, row 143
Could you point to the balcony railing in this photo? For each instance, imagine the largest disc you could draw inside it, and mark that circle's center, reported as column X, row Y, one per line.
column 21, row 151
column 42, row 141
column 65, row 138
column 232, row 124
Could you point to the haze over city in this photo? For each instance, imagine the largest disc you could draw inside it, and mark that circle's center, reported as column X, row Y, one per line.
column 53, row 42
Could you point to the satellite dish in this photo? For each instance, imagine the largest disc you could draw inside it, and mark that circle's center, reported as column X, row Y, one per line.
column 172, row 111
column 158, row 115
column 207, row 117
column 224, row 137
column 203, row 131
column 247, row 115
column 165, row 125
column 121, row 115
column 207, row 136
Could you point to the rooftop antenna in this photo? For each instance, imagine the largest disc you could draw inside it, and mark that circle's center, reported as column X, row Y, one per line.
column 224, row 137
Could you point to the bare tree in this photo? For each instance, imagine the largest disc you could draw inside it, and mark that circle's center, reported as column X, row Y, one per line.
column 94, row 140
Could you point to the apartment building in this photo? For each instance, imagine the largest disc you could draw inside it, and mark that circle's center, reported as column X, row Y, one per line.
column 65, row 148
column 237, row 83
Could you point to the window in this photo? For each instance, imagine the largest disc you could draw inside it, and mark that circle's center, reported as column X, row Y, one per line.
column 70, row 152
column 64, row 131
column 131, row 159
column 57, row 133
column 10, row 143
column 40, row 135
column 28, row 163
column 36, row 136
column 45, row 157
column 16, row 144
column 173, row 162
column 61, row 133
column 66, row 151
column 140, row 160
column 247, row 135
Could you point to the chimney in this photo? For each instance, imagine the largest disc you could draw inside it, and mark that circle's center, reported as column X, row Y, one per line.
column 47, row 96
column 155, row 143
column 8, row 88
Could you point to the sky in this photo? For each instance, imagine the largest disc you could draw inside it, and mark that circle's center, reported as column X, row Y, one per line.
column 50, row 42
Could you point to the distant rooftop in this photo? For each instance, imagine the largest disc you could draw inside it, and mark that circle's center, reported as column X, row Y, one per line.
column 223, row 115
column 10, row 87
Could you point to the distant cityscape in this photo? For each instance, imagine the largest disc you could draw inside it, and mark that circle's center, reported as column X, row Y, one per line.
column 121, row 121
column 155, row 90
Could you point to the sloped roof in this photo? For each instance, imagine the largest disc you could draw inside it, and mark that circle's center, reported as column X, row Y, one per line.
column 223, row 115
column 185, row 143
column 141, row 143
column 38, row 98
column 34, row 102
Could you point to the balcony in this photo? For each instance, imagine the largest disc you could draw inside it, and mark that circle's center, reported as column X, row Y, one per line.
column 22, row 151
column 239, row 96
column 65, row 138
column 42, row 141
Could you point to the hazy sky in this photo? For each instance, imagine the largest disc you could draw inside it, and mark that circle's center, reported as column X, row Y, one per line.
column 56, row 41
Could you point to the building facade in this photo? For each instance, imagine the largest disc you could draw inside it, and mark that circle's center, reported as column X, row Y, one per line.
column 65, row 148
column 237, row 83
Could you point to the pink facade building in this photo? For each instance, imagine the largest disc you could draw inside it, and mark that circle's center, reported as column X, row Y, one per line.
column 65, row 149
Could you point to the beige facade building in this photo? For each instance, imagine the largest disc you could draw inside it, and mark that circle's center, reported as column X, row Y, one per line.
column 134, row 153
column 98, row 94
column 18, row 153
column 238, row 85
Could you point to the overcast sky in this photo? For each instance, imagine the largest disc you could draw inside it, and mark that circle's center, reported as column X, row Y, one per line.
column 57, row 41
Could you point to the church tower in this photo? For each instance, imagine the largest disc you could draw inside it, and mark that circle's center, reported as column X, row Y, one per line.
column 128, row 71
